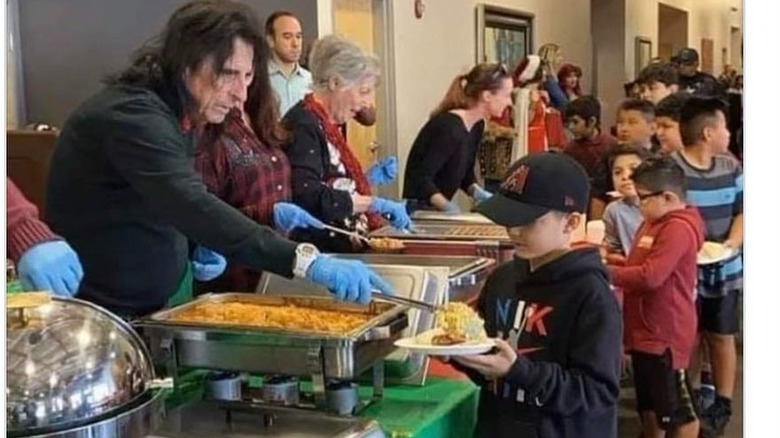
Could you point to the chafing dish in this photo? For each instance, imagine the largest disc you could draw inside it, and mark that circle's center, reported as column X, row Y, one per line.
column 465, row 218
column 421, row 283
column 451, row 238
column 75, row 370
column 279, row 351
column 425, row 230
column 322, row 356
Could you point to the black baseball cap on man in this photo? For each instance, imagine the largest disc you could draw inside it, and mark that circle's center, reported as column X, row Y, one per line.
column 687, row 56
column 536, row 184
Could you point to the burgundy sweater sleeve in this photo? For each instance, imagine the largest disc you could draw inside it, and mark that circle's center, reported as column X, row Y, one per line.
column 671, row 243
column 23, row 227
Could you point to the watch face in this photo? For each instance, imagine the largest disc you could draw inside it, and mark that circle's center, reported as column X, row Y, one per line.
column 307, row 249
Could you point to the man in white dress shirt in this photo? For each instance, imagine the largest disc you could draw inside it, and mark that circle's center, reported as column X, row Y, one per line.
column 289, row 80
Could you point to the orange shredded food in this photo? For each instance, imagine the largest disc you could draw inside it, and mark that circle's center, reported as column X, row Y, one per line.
column 287, row 317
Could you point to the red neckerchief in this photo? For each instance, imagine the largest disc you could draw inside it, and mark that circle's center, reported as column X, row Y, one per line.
column 351, row 164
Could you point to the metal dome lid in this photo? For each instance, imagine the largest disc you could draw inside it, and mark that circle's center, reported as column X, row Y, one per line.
column 69, row 362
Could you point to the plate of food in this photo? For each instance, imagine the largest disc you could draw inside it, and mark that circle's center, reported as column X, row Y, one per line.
column 459, row 331
column 714, row 252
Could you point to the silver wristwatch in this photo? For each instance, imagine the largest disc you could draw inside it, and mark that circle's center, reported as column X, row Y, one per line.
column 305, row 254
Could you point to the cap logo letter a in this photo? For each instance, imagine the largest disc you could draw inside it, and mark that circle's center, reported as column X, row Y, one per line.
column 516, row 181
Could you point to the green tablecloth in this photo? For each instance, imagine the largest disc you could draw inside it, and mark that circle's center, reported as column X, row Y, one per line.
column 441, row 408
column 444, row 408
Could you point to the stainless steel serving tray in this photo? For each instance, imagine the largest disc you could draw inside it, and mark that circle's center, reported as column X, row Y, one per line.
column 273, row 350
column 463, row 270
column 467, row 218
column 381, row 312
column 432, row 230
column 422, row 283
column 466, row 274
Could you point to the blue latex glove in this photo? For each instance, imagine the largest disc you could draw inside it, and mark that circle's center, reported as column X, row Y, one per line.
column 206, row 264
column 394, row 211
column 481, row 194
column 451, row 208
column 350, row 280
column 289, row 216
column 52, row 266
column 383, row 171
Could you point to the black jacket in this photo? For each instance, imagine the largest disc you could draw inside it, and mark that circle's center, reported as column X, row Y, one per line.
column 123, row 191
column 567, row 327
column 311, row 168
column 703, row 84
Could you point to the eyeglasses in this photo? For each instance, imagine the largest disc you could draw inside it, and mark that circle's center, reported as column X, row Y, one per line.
column 645, row 196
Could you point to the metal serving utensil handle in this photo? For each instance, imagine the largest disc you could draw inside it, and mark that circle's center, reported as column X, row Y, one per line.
column 345, row 232
column 406, row 301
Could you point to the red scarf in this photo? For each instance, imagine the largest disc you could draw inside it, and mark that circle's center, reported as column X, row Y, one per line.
column 351, row 164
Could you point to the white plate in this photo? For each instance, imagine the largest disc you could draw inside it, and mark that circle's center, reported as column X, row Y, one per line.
column 422, row 344
column 726, row 253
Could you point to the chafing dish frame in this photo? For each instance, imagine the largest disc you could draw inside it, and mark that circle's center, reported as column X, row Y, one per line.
column 322, row 356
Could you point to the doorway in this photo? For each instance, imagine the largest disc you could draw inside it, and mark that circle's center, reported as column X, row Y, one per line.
column 365, row 22
column 736, row 48
column 672, row 31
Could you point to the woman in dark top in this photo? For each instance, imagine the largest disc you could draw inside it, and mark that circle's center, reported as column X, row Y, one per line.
column 327, row 179
column 443, row 154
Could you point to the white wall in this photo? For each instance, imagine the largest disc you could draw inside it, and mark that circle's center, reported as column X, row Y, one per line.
column 608, row 21
column 641, row 20
column 431, row 51
column 11, row 116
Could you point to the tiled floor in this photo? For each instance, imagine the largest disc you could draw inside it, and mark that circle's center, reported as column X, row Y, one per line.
column 628, row 423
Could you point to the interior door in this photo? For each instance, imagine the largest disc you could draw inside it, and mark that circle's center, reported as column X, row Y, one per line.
column 353, row 19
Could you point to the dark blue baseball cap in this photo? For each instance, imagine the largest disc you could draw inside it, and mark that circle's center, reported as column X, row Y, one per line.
column 536, row 184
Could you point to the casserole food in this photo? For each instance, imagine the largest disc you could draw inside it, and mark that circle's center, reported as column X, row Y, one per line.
column 287, row 316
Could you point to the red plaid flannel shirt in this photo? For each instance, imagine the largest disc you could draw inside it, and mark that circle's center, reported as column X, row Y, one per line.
column 249, row 175
column 243, row 171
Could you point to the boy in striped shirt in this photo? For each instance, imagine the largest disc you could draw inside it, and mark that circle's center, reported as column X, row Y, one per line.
column 715, row 187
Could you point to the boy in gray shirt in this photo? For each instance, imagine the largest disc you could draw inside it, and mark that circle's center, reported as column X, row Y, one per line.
column 622, row 216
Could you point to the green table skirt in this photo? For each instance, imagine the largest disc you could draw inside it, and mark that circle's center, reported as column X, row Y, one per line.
column 443, row 408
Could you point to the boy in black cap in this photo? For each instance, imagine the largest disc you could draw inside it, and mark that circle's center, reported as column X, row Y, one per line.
column 556, row 367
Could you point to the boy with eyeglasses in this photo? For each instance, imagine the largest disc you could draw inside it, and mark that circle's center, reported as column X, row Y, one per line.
column 659, row 314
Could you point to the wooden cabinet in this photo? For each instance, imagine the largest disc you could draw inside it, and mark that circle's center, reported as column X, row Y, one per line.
column 29, row 154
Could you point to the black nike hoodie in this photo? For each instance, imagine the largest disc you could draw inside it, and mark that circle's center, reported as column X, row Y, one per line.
column 567, row 327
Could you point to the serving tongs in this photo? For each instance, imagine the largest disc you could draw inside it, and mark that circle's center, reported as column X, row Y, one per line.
column 422, row 305
column 353, row 234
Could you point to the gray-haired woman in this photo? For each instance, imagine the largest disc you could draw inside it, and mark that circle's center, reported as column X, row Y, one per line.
column 327, row 179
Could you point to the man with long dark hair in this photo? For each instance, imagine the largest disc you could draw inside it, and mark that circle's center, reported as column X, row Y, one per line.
column 123, row 189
